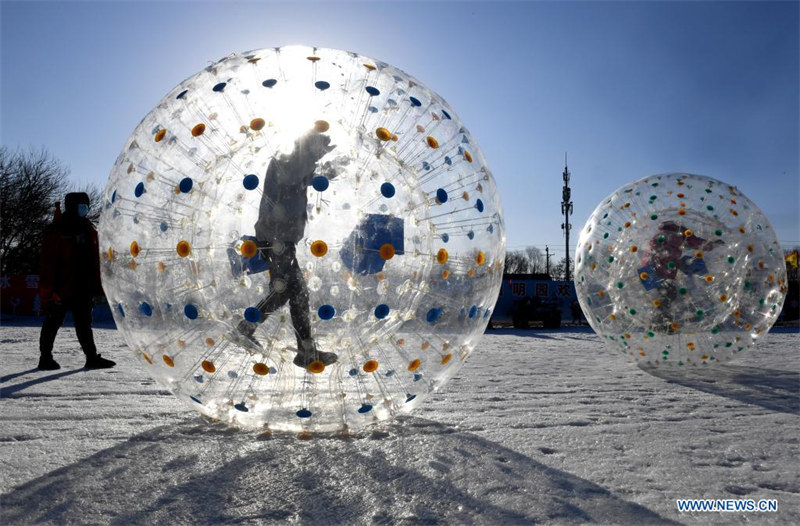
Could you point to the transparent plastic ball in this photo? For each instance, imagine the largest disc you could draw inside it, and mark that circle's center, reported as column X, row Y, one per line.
column 301, row 239
column 679, row 270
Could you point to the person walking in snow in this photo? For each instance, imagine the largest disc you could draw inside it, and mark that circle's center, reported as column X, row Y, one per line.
column 69, row 279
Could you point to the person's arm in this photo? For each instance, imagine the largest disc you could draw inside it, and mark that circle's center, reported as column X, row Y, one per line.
column 47, row 272
column 98, row 283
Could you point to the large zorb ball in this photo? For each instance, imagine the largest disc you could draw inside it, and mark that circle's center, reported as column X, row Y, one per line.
column 300, row 200
column 680, row 270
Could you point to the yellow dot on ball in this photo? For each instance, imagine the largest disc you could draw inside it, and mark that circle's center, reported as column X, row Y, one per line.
column 183, row 248
column 634, row 248
column 480, row 259
column 467, row 156
column 249, row 249
column 414, row 365
column 321, row 126
column 147, row 358
column 643, row 276
column 208, row 366
column 316, row 366
column 432, row 142
column 257, row 124
column 370, row 366
column 261, row 369
column 442, row 256
column 134, row 249
column 168, row 360
column 198, row 130
column 383, row 134
column 445, row 274
column 386, row 251
column 160, row 135
column 446, row 358
column 656, row 303
column 319, row 248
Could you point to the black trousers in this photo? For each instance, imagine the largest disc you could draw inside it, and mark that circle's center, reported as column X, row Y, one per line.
column 286, row 284
column 54, row 318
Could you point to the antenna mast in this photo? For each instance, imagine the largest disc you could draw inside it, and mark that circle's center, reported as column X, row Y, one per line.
column 566, row 209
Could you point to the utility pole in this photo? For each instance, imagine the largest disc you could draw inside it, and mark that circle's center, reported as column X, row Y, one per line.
column 566, row 209
column 547, row 258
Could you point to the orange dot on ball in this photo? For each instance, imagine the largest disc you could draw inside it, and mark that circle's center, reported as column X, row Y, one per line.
column 208, row 366
column 386, row 251
column 183, row 248
column 261, row 369
column 370, row 366
column 319, row 248
column 249, row 248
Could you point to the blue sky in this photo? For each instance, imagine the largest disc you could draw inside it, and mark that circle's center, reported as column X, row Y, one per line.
column 627, row 88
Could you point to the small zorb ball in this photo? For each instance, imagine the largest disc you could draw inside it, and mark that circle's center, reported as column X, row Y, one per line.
column 679, row 270
column 301, row 239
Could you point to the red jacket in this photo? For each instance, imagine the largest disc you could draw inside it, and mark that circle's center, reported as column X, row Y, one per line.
column 69, row 264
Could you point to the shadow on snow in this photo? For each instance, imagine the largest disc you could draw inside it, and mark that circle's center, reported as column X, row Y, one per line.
column 415, row 471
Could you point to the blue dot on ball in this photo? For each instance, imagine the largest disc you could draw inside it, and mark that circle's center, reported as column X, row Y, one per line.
column 473, row 311
column 322, row 85
column 441, row 195
column 304, row 413
column 185, row 185
column 252, row 315
column 190, row 311
column 433, row 315
column 353, row 372
column 139, row 190
column 269, row 83
column 250, row 181
column 387, row 190
column 365, row 408
column 381, row 311
column 320, row 183
column 415, row 101
column 326, row 312
column 373, row 91
column 120, row 310
column 163, row 226
column 241, row 407
column 479, row 205
column 445, row 238
column 146, row 309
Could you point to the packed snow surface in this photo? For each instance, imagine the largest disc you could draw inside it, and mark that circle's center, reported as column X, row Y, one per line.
column 538, row 427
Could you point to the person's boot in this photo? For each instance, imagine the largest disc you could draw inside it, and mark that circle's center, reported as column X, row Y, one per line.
column 47, row 363
column 98, row 362
column 306, row 354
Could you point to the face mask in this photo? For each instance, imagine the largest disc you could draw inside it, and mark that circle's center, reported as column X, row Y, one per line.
column 83, row 210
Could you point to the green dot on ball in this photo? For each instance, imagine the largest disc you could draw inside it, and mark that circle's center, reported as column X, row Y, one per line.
column 671, row 265
column 731, row 259
column 610, row 259
column 718, row 232
column 709, row 208
column 620, row 284
column 699, row 313
column 632, row 311
column 682, row 290
column 660, row 239
column 653, row 216
column 605, row 236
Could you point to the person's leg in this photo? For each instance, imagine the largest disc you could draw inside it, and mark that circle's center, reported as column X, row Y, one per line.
column 298, row 301
column 82, row 315
column 54, row 318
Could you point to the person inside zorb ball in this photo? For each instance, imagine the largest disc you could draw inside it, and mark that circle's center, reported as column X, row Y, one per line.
column 679, row 269
column 301, row 239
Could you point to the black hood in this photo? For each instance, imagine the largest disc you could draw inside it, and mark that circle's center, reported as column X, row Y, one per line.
column 73, row 199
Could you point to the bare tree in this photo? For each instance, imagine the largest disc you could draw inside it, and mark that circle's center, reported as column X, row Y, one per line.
column 31, row 181
column 530, row 260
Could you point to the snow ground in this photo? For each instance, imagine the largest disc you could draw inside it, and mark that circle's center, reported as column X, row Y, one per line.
column 538, row 427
